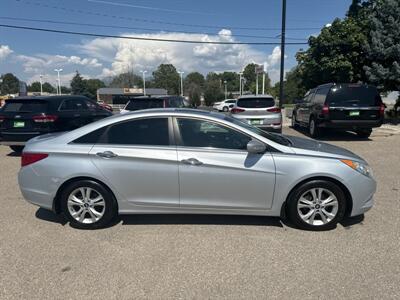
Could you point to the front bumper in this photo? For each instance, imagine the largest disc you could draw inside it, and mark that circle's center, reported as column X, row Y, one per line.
column 362, row 191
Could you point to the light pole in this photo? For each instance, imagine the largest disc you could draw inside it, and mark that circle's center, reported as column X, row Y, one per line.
column 41, row 84
column 226, row 90
column 240, row 83
column 282, row 52
column 144, row 82
column 58, row 80
column 181, row 73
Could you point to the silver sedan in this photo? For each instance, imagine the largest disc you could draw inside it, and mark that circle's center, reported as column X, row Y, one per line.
column 193, row 162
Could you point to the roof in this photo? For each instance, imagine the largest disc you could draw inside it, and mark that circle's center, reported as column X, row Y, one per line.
column 256, row 96
column 122, row 91
column 50, row 98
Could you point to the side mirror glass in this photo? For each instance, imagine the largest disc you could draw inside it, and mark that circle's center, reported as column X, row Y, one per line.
column 256, row 147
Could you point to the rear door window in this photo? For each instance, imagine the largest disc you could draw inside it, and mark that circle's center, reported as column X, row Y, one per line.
column 73, row 105
column 256, row 102
column 321, row 94
column 353, row 95
column 138, row 104
column 25, row 106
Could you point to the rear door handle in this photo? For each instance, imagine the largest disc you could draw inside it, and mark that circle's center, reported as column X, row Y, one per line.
column 191, row 161
column 106, row 154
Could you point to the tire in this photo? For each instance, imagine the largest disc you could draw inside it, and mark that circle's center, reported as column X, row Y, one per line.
column 294, row 122
column 107, row 207
column 364, row 133
column 313, row 128
column 225, row 109
column 311, row 213
column 17, row 149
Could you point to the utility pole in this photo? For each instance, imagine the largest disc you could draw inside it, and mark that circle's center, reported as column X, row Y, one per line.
column 263, row 84
column 41, row 84
column 58, row 80
column 283, row 33
column 240, row 83
column 257, row 84
column 226, row 90
column 144, row 82
column 181, row 73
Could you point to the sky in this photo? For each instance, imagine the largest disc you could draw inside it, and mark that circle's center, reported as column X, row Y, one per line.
column 30, row 53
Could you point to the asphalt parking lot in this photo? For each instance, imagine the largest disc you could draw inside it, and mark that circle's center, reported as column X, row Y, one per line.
column 202, row 257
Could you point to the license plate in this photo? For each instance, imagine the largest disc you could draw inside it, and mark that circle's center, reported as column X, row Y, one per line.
column 19, row 124
column 255, row 122
column 354, row 113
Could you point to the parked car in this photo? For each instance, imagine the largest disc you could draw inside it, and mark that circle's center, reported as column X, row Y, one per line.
column 176, row 161
column 146, row 102
column 225, row 105
column 24, row 118
column 260, row 111
column 343, row 106
column 106, row 106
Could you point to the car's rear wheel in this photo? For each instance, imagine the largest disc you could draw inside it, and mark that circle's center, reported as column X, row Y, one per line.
column 225, row 109
column 313, row 128
column 88, row 205
column 317, row 205
column 17, row 149
column 364, row 133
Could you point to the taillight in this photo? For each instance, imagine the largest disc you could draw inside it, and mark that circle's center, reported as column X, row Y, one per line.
column 382, row 110
column 325, row 110
column 274, row 110
column 236, row 110
column 30, row 158
column 45, row 118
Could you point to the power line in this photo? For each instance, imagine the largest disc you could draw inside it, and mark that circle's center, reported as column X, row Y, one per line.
column 141, row 28
column 79, row 11
column 144, row 38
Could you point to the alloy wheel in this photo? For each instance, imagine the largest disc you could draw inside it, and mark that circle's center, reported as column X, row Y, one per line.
column 86, row 205
column 317, row 206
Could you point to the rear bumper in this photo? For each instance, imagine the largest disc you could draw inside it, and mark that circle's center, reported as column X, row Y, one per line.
column 271, row 121
column 350, row 124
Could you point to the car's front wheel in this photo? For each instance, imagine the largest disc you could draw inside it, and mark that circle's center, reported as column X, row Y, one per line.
column 225, row 109
column 317, row 205
column 88, row 205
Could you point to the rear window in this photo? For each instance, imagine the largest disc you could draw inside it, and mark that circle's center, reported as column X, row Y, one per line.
column 25, row 106
column 256, row 102
column 137, row 104
column 354, row 95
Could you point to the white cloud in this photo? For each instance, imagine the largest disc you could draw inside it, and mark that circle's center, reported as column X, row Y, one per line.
column 5, row 51
column 42, row 62
column 137, row 55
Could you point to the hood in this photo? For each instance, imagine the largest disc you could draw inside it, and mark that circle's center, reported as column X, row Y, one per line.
column 299, row 143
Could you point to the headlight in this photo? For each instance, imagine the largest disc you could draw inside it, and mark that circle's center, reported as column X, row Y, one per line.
column 359, row 167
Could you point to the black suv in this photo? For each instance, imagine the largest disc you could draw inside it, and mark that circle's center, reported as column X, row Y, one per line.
column 347, row 106
column 26, row 117
column 146, row 102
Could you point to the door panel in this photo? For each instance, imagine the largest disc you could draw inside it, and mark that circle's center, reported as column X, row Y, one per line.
column 225, row 179
column 143, row 175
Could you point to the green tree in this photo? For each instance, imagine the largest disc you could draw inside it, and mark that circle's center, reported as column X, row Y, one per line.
column 383, row 47
column 127, row 80
column 92, row 85
column 213, row 92
column 34, row 87
column 167, row 77
column 9, row 84
column 194, row 92
column 65, row 90
column 293, row 87
column 78, row 86
column 48, row 88
column 196, row 78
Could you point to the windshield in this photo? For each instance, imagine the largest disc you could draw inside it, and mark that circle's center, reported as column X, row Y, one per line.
column 277, row 138
column 256, row 102
column 25, row 106
column 353, row 95
column 137, row 104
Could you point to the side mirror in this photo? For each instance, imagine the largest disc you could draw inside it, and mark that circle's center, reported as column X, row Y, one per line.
column 231, row 105
column 256, row 147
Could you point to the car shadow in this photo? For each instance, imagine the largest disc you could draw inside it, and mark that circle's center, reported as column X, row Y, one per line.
column 349, row 222
column 49, row 216
column 14, row 154
column 332, row 135
column 177, row 219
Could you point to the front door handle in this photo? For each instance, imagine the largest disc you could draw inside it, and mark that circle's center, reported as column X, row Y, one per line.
column 106, row 154
column 191, row 161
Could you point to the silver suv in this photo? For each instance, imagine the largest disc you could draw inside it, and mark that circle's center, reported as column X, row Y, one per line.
column 259, row 111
